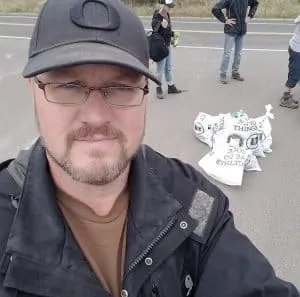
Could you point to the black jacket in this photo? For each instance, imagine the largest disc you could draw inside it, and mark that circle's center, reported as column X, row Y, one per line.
column 166, row 33
column 181, row 237
column 235, row 9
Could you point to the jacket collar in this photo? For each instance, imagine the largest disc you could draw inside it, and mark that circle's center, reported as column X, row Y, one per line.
column 37, row 232
column 151, row 206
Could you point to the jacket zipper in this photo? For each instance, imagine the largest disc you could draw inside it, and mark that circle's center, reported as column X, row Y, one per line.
column 155, row 291
column 161, row 235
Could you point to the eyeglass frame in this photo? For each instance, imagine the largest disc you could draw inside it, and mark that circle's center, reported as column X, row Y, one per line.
column 41, row 85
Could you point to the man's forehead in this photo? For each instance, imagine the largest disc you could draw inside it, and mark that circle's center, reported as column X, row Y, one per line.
column 105, row 71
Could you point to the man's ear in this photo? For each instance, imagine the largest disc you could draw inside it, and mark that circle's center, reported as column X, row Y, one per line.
column 30, row 84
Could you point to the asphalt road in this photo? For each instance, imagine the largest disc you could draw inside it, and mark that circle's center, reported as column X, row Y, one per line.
column 267, row 205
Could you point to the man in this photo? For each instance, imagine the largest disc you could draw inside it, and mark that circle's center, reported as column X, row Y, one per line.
column 161, row 23
column 235, row 29
column 89, row 211
column 287, row 99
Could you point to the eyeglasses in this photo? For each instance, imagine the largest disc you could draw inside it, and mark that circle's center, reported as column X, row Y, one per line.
column 76, row 94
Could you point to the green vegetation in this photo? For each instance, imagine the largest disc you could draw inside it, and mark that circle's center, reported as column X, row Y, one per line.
column 196, row 8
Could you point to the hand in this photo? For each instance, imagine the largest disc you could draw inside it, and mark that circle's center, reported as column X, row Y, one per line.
column 230, row 22
column 164, row 23
column 248, row 20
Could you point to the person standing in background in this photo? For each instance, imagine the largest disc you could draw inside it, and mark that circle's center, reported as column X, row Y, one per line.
column 235, row 29
column 294, row 69
column 161, row 23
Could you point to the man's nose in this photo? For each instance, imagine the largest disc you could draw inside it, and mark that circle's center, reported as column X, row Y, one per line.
column 96, row 109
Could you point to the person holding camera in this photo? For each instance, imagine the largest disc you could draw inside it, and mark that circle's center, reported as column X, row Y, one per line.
column 161, row 23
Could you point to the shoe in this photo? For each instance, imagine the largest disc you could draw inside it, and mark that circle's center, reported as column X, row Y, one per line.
column 223, row 79
column 237, row 76
column 287, row 95
column 288, row 101
column 173, row 90
column 159, row 93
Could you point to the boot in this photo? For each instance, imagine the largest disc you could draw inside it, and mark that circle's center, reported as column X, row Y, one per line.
column 237, row 76
column 159, row 93
column 223, row 79
column 173, row 90
column 288, row 101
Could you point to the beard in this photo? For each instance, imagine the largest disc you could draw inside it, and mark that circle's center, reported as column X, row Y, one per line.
column 98, row 171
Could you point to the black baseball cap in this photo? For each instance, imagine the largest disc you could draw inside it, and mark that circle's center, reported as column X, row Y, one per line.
column 77, row 32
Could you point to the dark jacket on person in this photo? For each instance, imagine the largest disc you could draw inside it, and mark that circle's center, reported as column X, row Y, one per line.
column 235, row 9
column 166, row 33
column 181, row 240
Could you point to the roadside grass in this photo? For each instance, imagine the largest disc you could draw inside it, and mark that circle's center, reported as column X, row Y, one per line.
column 191, row 8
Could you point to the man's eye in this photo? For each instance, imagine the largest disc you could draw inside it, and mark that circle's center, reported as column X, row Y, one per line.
column 70, row 86
column 119, row 85
column 123, row 89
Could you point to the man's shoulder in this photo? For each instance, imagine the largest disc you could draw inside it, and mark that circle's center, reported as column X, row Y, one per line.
column 9, row 192
column 4, row 164
column 9, row 189
column 203, row 200
column 162, row 163
column 167, row 167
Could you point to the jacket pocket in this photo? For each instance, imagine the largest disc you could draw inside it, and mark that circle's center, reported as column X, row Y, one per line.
column 230, row 29
column 171, row 289
column 152, row 289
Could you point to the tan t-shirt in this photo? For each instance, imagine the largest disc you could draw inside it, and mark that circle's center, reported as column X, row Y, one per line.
column 102, row 239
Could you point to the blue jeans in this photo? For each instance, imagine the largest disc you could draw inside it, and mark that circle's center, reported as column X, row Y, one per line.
column 164, row 68
column 230, row 41
column 294, row 69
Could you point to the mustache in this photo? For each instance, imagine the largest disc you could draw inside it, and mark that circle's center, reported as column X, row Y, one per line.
column 89, row 131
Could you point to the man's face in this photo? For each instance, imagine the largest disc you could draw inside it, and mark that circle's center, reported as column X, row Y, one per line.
column 93, row 142
column 167, row 8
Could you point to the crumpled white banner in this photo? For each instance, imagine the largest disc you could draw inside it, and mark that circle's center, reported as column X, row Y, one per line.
column 236, row 141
